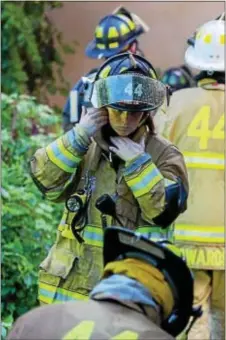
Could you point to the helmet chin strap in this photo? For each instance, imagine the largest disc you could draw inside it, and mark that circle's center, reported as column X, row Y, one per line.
column 143, row 120
column 146, row 117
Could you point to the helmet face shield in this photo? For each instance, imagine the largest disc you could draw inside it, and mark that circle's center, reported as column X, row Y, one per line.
column 128, row 92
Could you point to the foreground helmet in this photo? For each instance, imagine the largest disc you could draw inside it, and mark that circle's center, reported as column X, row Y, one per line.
column 121, row 243
column 206, row 50
column 115, row 33
column 128, row 82
column 178, row 78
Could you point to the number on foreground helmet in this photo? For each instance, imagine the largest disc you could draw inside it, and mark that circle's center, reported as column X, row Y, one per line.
column 128, row 82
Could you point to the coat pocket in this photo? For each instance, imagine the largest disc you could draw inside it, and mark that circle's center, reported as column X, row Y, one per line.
column 56, row 269
column 59, row 262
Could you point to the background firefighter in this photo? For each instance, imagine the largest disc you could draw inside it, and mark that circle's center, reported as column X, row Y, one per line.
column 195, row 123
column 146, row 292
column 115, row 33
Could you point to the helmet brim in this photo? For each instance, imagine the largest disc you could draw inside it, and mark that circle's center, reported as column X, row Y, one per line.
column 92, row 51
column 192, row 60
column 128, row 92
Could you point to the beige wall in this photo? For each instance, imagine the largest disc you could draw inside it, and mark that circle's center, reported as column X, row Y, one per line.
column 164, row 45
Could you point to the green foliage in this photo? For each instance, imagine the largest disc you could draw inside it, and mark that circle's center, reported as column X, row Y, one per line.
column 29, row 222
column 32, row 49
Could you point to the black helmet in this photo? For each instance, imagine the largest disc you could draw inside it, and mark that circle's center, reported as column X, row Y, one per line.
column 178, row 78
column 121, row 243
column 128, row 82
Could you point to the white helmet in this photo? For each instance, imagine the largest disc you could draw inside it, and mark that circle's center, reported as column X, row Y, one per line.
column 207, row 53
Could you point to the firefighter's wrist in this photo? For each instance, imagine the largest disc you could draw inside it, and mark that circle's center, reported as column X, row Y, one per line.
column 74, row 143
column 134, row 164
column 81, row 136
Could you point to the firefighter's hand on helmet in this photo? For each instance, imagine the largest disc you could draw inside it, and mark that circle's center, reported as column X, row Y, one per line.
column 126, row 149
column 92, row 120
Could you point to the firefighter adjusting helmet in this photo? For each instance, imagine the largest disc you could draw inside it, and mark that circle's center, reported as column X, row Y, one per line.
column 128, row 82
column 206, row 48
column 122, row 243
column 115, row 33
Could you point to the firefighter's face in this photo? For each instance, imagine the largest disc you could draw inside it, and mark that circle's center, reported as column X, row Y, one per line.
column 124, row 123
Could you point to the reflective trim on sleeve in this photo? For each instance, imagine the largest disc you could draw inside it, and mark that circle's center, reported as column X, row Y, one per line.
column 61, row 157
column 202, row 160
column 66, row 153
column 134, row 165
column 145, row 181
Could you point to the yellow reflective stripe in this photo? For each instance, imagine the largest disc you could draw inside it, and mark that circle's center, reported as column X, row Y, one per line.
column 73, row 295
column 99, row 32
column 48, row 287
column 104, row 73
column 122, row 69
column 101, row 46
column 152, row 229
column 54, row 294
column 126, row 335
column 222, row 39
column 150, row 185
column 130, row 23
column 51, row 195
column 205, row 154
column 203, row 257
column 199, row 234
column 112, row 32
column 93, row 235
column 114, row 45
column 45, row 299
column 46, row 292
column 156, row 233
column 57, row 161
column 145, row 181
column 66, row 153
column 84, row 331
column 124, row 29
column 204, row 160
column 81, row 331
column 207, row 38
column 152, row 73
